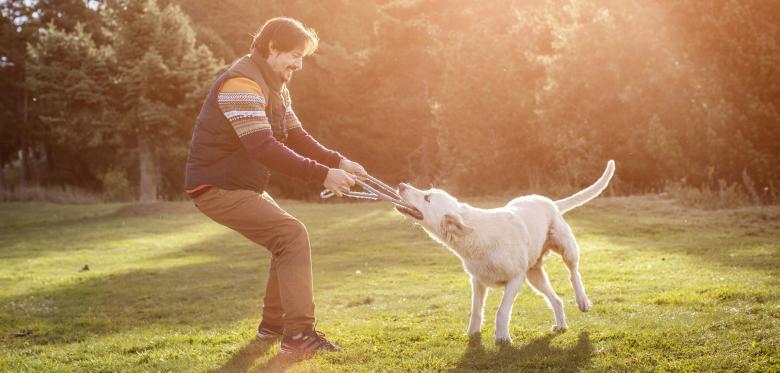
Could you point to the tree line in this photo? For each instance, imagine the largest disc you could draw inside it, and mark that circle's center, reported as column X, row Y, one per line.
column 476, row 97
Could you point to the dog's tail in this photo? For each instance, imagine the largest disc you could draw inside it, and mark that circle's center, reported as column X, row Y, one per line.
column 580, row 198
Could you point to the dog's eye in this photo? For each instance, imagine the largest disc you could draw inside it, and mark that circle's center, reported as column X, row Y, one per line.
column 427, row 198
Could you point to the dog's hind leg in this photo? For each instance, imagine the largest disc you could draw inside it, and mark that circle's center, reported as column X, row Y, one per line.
column 478, row 293
column 570, row 252
column 537, row 277
column 505, row 309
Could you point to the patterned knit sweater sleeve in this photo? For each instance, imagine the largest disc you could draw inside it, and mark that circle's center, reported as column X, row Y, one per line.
column 243, row 104
column 303, row 143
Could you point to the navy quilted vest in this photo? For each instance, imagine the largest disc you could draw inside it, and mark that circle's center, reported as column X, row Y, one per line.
column 216, row 156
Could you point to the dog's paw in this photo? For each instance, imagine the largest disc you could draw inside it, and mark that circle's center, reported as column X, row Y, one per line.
column 559, row 328
column 584, row 304
column 502, row 338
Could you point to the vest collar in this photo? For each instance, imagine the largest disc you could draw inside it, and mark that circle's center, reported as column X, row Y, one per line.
column 270, row 77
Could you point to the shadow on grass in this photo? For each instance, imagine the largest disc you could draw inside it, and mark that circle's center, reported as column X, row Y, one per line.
column 222, row 283
column 278, row 363
column 225, row 285
column 243, row 359
column 35, row 238
column 536, row 354
column 708, row 250
column 188, row 295
column 741, row 238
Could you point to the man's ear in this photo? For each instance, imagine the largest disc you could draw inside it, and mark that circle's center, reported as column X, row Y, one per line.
column 452, row 225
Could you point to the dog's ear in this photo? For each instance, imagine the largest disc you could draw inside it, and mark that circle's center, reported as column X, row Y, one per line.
column 452, row 225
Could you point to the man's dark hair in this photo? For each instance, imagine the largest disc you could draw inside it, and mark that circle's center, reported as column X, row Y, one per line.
column 285, row 34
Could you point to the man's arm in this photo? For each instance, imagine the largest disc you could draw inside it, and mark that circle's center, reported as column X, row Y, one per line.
column 242, row 102
column 303, row 143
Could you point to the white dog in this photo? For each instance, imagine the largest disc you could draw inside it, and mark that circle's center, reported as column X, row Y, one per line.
column 505, row 246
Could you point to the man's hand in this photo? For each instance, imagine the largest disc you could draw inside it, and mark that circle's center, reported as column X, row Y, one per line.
column 354, row 168
column 338, row 181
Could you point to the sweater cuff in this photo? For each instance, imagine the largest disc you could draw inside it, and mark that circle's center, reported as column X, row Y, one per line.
column 320, row 173
column 334, row 160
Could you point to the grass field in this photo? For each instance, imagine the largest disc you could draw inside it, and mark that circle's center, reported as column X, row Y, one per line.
column 674, row 289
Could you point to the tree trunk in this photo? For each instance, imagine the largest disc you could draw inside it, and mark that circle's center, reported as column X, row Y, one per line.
column 24, row 170
column 2, row 174
column 25, row 173
column 48, row 160
column 147, row 161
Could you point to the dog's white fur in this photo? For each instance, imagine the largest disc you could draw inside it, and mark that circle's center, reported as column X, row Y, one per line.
column 505, row 246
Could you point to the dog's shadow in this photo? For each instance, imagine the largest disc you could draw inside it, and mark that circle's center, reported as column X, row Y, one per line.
column 535, row 354
column 244, row 358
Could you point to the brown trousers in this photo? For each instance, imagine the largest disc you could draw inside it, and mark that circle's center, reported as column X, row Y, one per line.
column 289, row 298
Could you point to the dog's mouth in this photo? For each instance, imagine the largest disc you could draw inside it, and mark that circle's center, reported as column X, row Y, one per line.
column 413, row 212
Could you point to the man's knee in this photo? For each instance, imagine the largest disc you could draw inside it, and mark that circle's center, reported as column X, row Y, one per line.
column 295, row 230
column 290, row 236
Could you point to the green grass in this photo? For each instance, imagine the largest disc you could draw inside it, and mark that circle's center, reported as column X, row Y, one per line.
column 674, row 289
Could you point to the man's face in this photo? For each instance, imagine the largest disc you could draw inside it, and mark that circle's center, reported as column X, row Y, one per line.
column 285, row 63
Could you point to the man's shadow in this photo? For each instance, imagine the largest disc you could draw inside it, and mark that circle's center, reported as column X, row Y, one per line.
column 536, row 354
column 243, row 359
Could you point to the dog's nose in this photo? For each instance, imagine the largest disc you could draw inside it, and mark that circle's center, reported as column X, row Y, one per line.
column 402, row 187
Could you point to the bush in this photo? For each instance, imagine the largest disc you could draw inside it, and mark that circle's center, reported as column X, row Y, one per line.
column 64, row 194
column 116, row 186
column 725, row 196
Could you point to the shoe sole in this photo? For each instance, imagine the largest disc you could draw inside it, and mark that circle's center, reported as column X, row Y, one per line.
column 267, row 337
column 289, row 352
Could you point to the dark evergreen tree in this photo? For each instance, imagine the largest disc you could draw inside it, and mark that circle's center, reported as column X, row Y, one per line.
column 163, row 77
column 15, row 31
column 71, row 79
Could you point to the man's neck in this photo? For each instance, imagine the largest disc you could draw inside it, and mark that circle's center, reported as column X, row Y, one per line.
column 270, row 76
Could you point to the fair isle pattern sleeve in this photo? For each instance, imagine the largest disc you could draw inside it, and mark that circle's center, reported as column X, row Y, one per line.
column 241, row 101
column 301, row 142
column 290, row 119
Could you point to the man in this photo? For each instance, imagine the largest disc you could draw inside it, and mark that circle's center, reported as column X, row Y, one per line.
column 245, row 127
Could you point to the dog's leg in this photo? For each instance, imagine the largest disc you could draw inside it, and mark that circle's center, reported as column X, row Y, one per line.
column 505, row 309
column 571, row 256
column 537, row 277
column 478, row 293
